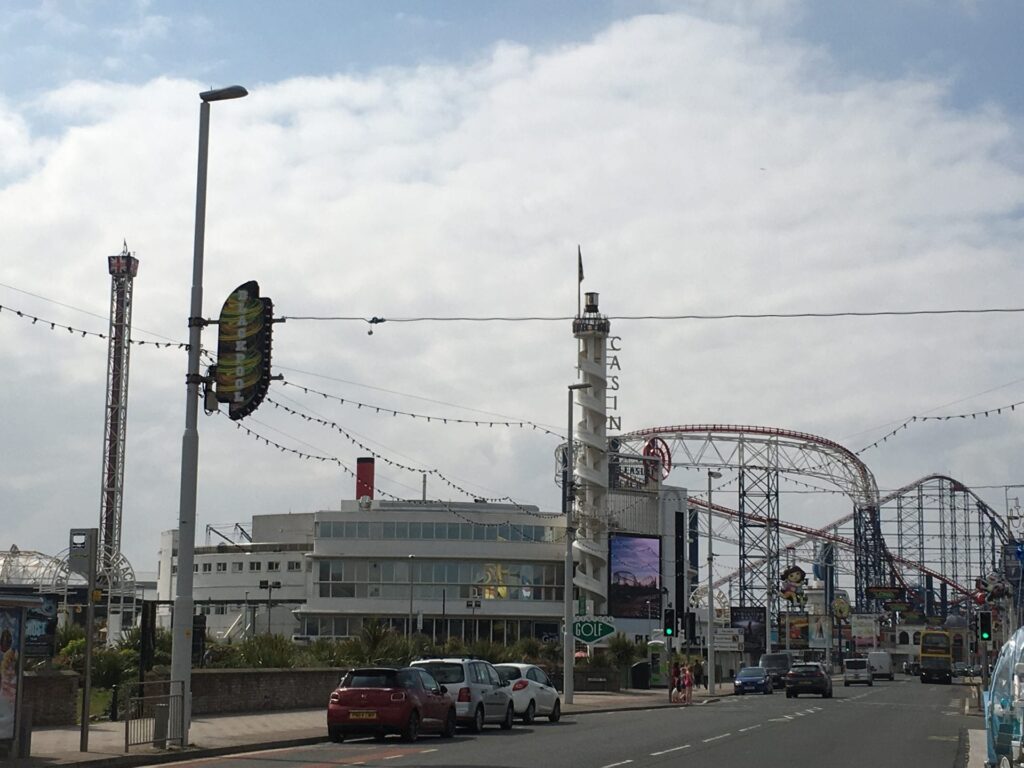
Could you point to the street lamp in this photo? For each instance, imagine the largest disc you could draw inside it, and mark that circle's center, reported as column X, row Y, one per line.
column 181, row 647
column 270, row 586
column 408, row 632
column 712, row 475
column 568, row 644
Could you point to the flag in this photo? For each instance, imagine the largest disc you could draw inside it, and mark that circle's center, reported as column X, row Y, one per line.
column 579, row 253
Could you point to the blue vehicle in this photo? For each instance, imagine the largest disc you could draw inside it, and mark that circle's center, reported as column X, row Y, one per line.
column 752, row 680
column 1004, row 704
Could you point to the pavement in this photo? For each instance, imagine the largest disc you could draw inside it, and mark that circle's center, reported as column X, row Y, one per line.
column 215, row 735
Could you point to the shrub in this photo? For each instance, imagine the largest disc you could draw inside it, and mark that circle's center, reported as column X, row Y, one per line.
column 270, row 651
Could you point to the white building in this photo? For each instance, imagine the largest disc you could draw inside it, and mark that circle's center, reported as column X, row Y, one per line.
column 468, row 570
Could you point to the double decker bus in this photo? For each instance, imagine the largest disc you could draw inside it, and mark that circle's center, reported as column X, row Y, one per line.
column 936, row 656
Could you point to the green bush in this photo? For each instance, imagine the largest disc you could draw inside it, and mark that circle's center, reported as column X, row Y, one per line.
column 269, row 651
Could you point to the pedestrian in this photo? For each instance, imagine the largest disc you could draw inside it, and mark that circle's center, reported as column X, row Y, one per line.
column 687, row 685
column 698, row 674
column 675, row 690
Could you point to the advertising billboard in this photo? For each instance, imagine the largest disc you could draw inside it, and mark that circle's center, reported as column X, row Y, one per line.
column 796, row 627
column 750, row 619
column 634, row 576
column 10, row 645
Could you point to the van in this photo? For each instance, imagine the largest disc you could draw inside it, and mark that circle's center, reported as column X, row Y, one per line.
column 856, row 671
column 776, row 665
column 880, row 663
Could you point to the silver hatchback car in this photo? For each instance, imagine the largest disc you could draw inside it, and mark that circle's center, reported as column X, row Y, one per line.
column 479, row 692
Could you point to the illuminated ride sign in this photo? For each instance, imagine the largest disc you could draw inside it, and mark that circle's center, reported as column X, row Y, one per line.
column 243, row 350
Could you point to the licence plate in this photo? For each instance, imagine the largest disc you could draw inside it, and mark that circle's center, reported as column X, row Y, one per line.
column 362, row 715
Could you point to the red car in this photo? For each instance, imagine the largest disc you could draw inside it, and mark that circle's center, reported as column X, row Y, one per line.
column 383, row 700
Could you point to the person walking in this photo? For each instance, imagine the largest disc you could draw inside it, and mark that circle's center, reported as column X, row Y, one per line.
column 698, row 674
column 687, row 685
column 675, row 691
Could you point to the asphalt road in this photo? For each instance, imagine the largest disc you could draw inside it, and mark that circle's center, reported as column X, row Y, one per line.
column 900, row 723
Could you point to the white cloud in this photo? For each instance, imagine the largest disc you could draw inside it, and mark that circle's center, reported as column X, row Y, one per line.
column 705, row 168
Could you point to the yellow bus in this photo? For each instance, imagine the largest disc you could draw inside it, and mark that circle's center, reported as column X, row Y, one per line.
column 936, row 656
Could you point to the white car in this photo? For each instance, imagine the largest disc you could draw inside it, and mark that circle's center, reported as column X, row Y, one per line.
column 481, row 696
column 533, row 693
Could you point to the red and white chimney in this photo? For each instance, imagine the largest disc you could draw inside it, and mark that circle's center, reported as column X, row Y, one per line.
column 364, row 477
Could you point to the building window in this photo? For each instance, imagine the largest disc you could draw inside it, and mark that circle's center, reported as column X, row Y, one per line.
column 219, row 610
column 222, row 567
column 195, row 567
column 294, row 565
column 273, row 565
column 207, row 567
column 255, row 565
column 174, row 569
column 236, row 567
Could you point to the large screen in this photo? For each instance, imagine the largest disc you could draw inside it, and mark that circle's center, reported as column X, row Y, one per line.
column 750, row 619
column 634, row 577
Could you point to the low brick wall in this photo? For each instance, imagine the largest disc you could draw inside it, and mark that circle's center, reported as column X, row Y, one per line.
column 53, row 697
column 253, row 690
column 587, row 679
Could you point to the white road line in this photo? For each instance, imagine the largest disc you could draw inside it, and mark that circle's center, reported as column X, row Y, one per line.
column 666, row 751
column 393, row 757
column 750, row 728
column 716, row 738
column 810, row 711
column 424, row 751
column 612, row 765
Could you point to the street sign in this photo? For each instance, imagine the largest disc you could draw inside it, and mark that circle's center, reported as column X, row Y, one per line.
column 727, row 639
column 589, row 630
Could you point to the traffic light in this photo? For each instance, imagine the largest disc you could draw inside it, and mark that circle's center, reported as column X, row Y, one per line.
column 985, row 626
column 670, row 622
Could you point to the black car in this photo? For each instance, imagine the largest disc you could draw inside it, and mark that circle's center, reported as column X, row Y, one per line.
column 808, row 678
column 752, row 680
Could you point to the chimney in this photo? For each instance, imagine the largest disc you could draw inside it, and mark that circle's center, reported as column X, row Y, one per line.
column 364, row 477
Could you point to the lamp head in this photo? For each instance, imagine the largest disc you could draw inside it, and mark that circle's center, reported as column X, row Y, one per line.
column 714, row 475
column 222, row 94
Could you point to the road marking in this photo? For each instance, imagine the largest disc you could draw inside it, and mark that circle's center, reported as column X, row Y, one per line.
column 944, row 738
column 392, row 757
column 612, row 765
column 716, row 738
column 750, row 728
column 666, row 751
column 424, row 751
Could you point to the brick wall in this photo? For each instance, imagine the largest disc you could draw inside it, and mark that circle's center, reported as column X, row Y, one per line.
column 52, row 696
column 254, row 690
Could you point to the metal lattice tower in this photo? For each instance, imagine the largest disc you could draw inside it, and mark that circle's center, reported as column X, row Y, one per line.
column 759, row 532
column 122, row 269
column 590, row 550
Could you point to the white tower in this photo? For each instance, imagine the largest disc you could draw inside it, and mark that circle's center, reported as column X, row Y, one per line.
column 590, row 469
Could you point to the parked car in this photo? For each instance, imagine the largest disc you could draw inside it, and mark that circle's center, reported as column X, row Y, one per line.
column 856, row 671
column 808, row 677
column 383, row 700
column 533, row 693
column 480, row 695
column 752, row 680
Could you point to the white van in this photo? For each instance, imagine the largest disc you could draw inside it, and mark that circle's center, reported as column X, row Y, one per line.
column 880, row 663
column 856, row 671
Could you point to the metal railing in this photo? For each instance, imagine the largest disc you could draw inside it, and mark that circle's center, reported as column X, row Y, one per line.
column 154, row 714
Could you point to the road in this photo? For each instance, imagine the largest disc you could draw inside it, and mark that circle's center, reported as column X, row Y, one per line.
column 900, row 723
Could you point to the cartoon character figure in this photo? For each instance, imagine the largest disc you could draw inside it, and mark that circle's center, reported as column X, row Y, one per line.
column 993, row 587
column 792, row 589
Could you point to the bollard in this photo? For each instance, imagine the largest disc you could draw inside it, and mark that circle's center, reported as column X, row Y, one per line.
column 160, row 715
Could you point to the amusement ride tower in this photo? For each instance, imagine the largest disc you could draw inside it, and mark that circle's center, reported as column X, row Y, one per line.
column 590, row 463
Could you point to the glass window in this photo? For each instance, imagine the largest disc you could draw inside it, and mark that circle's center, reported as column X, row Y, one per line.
column 504, row 532
column 517, row 533
column 466, row 531
column 387, row 571
column 273, row 565
column 479, row 532
column 454, row 533
column 255, row 565
column 195, row 567
column 428, row 530
column 363, row 530
column 428, row 682
column 236, row 567
column 388, row 530
column 343, row 590
column 174, row 569
column 401, row 530
column 439, row 577
column 440, row 530
column 415, row 531
column 294, row 565
column 351, row 530
column 222, row 567
column 362, row 571
column 324, row 570
column 325, row 590
column 207, row 567
column 451, row 573
column 376, row 531
column 337, row 570
column 402, row 571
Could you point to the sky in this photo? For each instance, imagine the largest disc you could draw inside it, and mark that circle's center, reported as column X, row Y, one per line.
column 446, row 159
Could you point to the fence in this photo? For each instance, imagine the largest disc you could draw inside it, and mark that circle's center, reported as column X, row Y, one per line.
column 154, row 714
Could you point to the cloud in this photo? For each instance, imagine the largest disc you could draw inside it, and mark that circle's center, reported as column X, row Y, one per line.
column 705, row 167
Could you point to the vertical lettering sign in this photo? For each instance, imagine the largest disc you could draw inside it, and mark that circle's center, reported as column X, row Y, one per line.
column 243, row 350
column 612, row 394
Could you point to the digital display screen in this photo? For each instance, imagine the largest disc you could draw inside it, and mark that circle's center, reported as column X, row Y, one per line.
column 634, row 577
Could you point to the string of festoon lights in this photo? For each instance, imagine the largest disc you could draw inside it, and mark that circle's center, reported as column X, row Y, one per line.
column 915, row 419
column 351, row 473
column 83, row 333
column 429, row 419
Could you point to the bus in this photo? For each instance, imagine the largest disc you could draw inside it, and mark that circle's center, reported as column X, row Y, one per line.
column 936, row 656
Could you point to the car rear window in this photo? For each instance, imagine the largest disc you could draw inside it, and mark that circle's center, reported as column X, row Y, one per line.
column 508, row 673
column 806, row 669
column 856, row 663
column 775, row 661
column 371, row 678
column 444, row 672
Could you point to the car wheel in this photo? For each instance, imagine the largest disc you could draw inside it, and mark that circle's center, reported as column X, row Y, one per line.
column 510, row 713
column 449, row 725
column 827, row 694
column 530, row 713
column 478, row 720
column 412, row 728
column 556, row 712
column 336, row 735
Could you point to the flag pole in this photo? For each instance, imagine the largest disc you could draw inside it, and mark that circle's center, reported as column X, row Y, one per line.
column 579, row 282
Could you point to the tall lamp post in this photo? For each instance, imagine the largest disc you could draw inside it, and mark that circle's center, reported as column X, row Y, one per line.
column 181, row 647
column 712, row 475
column 408, row 632
column 568, row 642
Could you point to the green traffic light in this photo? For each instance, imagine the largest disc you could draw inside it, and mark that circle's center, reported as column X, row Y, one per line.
column 668, row 630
